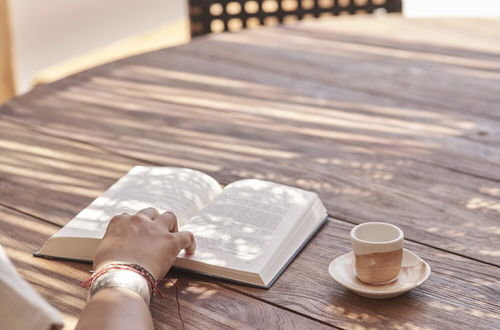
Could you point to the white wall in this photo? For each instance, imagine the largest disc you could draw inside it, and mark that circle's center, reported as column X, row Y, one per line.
column 47, row 32
column 451, row 8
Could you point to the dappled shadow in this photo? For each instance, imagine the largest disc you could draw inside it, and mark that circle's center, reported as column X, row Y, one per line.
column 203, row 303
column 254, row 107
column 182, row 191
column 307, row 287
column 246, row 220
column 380, row 128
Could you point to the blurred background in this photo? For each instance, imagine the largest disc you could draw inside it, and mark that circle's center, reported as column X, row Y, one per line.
column 42, row 41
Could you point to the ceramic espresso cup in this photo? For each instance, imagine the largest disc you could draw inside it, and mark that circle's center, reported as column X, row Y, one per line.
column 378, row 252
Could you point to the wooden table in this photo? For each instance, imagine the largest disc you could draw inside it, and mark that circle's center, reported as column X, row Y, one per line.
column 393, row 120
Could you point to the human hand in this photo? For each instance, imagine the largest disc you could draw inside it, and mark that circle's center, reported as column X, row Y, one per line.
column 147, row 238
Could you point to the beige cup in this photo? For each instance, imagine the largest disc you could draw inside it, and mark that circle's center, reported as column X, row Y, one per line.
column 378, row 252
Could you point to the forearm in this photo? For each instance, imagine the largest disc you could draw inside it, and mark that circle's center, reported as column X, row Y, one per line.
column 115, row 308
column 142, row 248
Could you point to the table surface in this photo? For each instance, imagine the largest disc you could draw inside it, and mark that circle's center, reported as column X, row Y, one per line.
column 387, row 119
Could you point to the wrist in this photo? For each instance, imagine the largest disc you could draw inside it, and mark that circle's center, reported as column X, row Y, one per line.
column 117, row 293
column 123, row 274
column 122, row 279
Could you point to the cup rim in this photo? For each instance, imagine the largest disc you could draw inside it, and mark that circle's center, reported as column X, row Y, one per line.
column 400, row 233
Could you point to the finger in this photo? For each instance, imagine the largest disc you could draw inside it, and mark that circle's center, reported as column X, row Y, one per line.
column 186, row 240
column 150, row 212
column 118, row 218
column 170, row 220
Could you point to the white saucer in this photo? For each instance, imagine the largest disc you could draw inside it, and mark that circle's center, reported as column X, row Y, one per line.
column 414, row 271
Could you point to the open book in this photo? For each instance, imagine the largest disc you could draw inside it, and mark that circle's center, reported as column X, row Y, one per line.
column 247, row 232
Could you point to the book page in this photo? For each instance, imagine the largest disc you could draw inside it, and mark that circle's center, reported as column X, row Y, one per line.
column 246, row 222
column 180, row 190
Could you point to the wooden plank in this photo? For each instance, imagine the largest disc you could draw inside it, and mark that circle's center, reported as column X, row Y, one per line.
column 465, row 118
column 167, row 108
column 53, row 178
column 459, row 291
column 472, row 293
column 210, row 303
column 346, row 116
column 472, row 36
column 243, row 136
column 203, row 304
column 349, row 117
column 312, row 293
column 7, row 89
column 459, row 79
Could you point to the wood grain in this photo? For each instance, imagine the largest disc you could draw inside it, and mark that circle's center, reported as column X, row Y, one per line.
column 457, row 285
column 465, row 133
column 203, row 304
column 420, row 75
column 412, row 167
column 459, row 291
column 7, row 89
column 385, row 120
column 53, row 178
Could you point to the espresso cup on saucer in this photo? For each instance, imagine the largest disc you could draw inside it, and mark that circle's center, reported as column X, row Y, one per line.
column 378, row 252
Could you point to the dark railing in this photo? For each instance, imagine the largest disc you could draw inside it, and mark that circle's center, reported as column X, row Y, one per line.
column 232, row 15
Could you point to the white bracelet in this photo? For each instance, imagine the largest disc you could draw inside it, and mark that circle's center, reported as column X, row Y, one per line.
column 122, row 278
